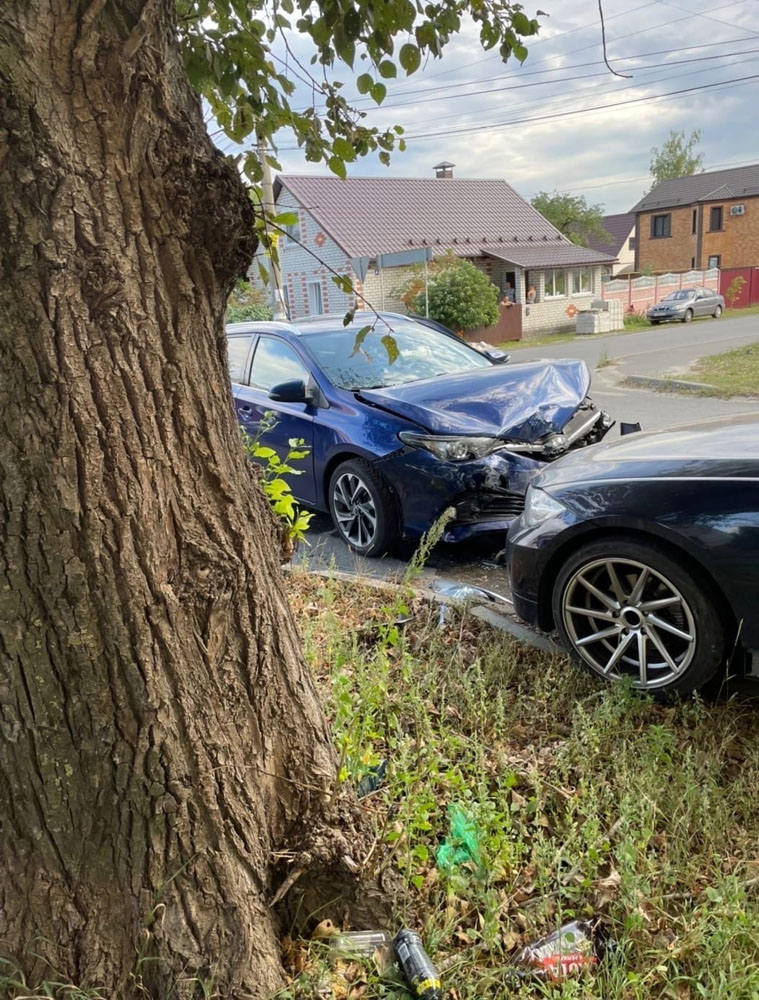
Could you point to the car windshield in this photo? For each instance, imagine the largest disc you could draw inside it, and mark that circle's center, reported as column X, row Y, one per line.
column 683, row 293
column 407, row 353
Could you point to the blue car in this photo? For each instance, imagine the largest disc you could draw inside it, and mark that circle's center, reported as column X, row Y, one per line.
column 406, row 421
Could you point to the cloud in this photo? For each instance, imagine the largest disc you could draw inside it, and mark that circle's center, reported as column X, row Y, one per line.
column 604, row 154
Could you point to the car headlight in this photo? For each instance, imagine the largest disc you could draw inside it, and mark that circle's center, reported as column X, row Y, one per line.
column 539, row 506
column 450, row 448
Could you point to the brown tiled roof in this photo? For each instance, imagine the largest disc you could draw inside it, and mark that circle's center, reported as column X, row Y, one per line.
column 620, row 228
column 738, row 182
column 373, row 215
column 548, row 255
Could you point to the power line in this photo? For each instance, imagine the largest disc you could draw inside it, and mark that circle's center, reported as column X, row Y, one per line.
column 584, row 48
column 553, row 69
column 636, row 180
column 560, row 99
column 580, row 111
column 564, row 79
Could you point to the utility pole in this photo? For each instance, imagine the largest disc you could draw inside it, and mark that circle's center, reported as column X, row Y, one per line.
column 278, row 307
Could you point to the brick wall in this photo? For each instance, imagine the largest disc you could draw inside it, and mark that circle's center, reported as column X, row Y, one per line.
column 737, row 243
column 667, row 253
column 548, row 316
column 299, row 267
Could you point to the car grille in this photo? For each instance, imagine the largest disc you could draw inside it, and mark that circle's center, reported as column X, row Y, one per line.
column 489, row 506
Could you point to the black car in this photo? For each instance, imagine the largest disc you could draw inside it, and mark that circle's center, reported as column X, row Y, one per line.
column 644, row 554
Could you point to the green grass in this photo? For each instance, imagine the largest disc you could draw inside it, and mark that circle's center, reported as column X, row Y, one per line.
column 587, row 800
column 633, row 321
column 731, row 373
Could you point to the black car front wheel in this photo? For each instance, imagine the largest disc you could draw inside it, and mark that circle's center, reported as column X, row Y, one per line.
column 625, row 608
column 362, row 508
column 717, row 312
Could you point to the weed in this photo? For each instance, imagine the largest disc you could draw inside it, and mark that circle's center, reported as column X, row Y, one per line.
column 604, row 361
column 585, row 800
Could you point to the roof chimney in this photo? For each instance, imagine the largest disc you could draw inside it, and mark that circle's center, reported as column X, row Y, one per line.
column 444, row 169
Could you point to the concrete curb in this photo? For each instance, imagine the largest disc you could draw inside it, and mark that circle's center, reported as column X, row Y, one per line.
column 487, row 613
column 650, row 382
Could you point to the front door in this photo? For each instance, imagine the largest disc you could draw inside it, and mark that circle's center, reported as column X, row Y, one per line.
column 276, row 361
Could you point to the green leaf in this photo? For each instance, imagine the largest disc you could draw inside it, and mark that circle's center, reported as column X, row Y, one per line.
column 522, row 24
column 410, row 57
column 385, row 158
column 519, row 52
column 387, row 69
column 337, row 166
column 378, row 92
column 286, row 219
column 360, row 338
column 390, row 345
column 343, row 149
column 364, row 83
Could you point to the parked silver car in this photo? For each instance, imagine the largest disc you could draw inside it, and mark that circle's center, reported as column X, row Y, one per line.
column 686, row 303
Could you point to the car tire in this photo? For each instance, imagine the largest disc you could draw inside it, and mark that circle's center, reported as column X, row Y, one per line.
column 688, row 316
column 678, row 662
column 363, row 508
column 717, row 312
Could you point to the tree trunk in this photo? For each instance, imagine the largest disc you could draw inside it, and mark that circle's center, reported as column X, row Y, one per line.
column 161, row 743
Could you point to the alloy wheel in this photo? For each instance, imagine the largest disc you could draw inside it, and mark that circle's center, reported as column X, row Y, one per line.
column 355, row 510
column 626, row 619
column 718, row 312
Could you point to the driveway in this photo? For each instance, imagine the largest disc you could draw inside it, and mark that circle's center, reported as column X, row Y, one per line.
column 653, row 351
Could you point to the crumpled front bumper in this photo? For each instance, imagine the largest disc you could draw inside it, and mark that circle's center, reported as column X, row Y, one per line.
column 485, row 494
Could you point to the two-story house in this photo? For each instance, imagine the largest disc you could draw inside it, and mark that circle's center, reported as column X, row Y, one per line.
column 704, row 221
column 620, row 243
column 369, row 228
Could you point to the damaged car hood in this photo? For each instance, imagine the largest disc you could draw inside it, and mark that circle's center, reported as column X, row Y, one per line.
column 521, row 402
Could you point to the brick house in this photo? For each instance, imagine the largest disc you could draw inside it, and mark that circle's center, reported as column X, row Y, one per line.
column 704, row 221
column 621, row 242
column 361, row 226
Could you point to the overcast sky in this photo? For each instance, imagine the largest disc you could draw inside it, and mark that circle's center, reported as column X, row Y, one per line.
column 475, row 106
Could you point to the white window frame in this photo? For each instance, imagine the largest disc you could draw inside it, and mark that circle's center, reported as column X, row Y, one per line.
column 578, row 272
column 290, row 232
column 549, row 283
column 315, row 283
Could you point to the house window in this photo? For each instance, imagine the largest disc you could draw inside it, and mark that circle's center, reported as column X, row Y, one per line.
column 661, row 225
column 579, row 281
column 692, row 263
column 555, row 284
column 715, row 219
column 315, row 306
column 714, row 261
column 293, row 234
column 694, row 224
column 631, row 243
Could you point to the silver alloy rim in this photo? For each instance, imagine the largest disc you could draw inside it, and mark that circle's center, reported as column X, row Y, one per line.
column 718, row 312
column 355, row 512
column 626, row 619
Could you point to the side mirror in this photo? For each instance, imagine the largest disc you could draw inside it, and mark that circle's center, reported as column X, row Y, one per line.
column 294, row 391
column 496, row 356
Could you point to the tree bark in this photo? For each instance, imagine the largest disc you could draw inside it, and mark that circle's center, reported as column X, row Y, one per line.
column 161, row 743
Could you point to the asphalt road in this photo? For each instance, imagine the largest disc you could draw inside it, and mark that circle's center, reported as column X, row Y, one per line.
column 654, row 351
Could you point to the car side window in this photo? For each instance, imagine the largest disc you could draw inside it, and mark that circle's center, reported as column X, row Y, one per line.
column 275, row 362
column 237, row 355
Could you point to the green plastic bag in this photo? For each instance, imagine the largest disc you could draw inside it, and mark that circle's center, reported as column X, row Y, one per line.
column 463, row 841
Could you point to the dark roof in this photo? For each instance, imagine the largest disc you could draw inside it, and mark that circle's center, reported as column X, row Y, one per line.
column 619, row 227
column 739, row 182
column 547, row 255
column 367, row 216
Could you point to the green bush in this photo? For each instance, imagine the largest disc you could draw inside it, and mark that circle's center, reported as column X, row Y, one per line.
column 247, row 302
column 461, row 297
